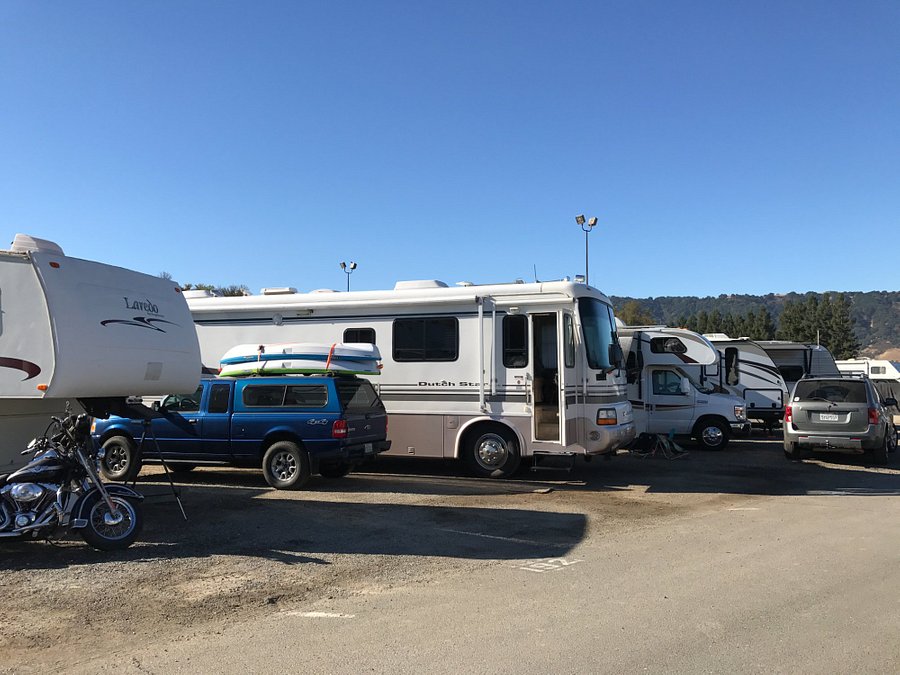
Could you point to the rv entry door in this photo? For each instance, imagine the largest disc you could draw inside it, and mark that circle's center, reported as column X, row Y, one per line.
column 545, row 377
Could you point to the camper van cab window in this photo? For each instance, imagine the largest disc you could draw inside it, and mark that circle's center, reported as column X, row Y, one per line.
column 426, row 339
column 667, row 383
column 598, row 326
column 360, row 335
column 515, row 341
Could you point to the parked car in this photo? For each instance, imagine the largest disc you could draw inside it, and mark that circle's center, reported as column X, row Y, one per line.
column 292, row 426
column 839, row 414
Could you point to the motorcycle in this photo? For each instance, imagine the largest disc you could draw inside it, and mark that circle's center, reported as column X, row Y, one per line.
column 60, row 488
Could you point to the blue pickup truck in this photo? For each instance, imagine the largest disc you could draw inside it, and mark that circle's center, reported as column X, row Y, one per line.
column 292, row 426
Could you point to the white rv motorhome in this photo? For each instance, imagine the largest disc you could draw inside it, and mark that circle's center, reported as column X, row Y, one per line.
column 796, row 359
column 73, row 329
column 885, row 375
column 746, row 370
column 667, row 396
column 486, row 373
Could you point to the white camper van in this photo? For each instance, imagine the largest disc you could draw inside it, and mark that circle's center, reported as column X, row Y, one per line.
column 490, row 374
column 796, row 359
column 666, row 397
column 74, row 329
column 746, row 370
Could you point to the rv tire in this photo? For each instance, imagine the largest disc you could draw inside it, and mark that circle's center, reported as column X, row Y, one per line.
column 711, row 434
column 286, row 466
column 121, row 460
column 492, row 451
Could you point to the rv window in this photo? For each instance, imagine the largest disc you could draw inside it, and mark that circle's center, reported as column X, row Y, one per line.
column 732, row 368
column 427, row 339
column 218, row 398
column 667, row 345
column 360, row 335
column 569, row 340
column 878, row 370
column 515, row 341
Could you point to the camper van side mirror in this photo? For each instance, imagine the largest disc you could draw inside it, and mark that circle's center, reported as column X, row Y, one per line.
column 685, row 385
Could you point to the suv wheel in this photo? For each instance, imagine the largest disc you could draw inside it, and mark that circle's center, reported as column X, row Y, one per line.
column 792, row 451
column 880, row 455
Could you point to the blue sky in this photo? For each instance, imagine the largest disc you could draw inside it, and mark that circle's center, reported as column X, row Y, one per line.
column 745, row 147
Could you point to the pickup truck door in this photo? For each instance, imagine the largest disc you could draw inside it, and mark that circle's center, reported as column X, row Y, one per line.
column 216, row 422
column 178, row 430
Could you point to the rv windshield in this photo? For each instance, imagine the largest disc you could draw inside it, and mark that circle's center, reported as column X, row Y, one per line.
column 599, row 328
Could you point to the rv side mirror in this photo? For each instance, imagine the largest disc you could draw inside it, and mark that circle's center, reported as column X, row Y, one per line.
column 685, row 385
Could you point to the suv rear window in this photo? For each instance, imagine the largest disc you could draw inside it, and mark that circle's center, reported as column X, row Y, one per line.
column 357, row 395
column 836, row 391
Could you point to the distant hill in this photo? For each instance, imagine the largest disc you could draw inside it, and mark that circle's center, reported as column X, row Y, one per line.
column 875, row 315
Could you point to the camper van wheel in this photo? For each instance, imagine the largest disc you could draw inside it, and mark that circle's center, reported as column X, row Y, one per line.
column 286, row 466
column 492, row 452
column 121, row 461
column 711, row 434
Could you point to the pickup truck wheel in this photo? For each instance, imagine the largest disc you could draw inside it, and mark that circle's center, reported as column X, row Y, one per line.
column 711, row 434
column 492, row 453
column 335, row 470
column 286, row 466
column 121, row 461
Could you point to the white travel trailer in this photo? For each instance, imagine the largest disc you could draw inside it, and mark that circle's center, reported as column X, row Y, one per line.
column 746, row 370
column 885, row 375
column 72, row 329
column 661, row 366
column 796, row 359
column 490, row 374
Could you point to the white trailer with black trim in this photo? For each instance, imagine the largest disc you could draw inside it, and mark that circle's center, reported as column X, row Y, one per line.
column 796, row 360
column 490, row 374
column 73, row 329
column 885, row 375
column 662, row 367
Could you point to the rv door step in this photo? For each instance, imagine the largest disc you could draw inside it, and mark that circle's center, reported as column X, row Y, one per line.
column 553, row 461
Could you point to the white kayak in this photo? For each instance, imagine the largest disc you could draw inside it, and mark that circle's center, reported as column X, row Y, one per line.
column 300, row 358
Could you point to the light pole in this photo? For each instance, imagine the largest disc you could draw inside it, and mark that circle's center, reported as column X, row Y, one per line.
column 587, row 227
column 348, row 270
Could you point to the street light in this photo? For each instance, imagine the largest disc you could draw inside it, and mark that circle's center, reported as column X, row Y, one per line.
column 348, row 270
column 587, row 227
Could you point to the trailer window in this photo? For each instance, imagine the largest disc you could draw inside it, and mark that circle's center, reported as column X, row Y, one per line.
column 426, row 339
column 515, row 341
column 360, row 335
column 732, row 366
column 569, row 340
column 600, row 338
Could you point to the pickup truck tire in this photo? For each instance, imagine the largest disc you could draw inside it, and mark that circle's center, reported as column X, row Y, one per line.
column 335, row 470
column 711, row 434
column 121, row 461
column 492, row 452
column 286, row 466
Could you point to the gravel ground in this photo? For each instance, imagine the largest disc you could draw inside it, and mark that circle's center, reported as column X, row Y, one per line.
column 246, row 548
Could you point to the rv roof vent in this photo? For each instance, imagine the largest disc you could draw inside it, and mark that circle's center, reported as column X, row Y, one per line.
column 201, row 293
column 280, row 290
column 324, row 290
column 25, row 243
column 465, row 284
column 419, row 283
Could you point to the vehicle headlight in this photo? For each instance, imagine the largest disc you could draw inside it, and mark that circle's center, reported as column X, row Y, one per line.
column 606, row 417
column 740, row 413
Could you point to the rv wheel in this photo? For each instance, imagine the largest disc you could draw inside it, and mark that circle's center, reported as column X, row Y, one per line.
column 492, row 452
column 711, row 434
column 121, row 461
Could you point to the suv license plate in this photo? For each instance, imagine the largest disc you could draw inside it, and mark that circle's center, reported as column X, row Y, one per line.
column 368, row 449
column 828, row 417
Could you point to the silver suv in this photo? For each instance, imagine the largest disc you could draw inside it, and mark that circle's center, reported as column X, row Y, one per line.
column 839, row 414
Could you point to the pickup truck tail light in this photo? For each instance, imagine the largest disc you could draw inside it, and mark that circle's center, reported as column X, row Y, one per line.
column 873, row 415
column 339, row 429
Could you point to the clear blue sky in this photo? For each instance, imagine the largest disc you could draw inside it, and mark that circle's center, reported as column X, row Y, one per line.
column 745, row 147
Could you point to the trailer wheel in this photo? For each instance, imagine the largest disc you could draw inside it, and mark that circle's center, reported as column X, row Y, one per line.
column 121, row 461
column 711, row 434
column 286, row 466
column 492, row 452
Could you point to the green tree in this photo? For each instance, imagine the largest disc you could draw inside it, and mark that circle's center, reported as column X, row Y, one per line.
column 632, row 313
column 843, row 343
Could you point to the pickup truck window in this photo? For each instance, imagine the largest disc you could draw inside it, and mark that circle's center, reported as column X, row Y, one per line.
column 183, row 402
column 306, row 396
column 357, row 395
column 218, row 398
column 263, row 395
column 295, row 396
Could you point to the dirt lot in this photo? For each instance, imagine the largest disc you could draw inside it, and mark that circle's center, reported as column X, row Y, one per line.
column 246, row 548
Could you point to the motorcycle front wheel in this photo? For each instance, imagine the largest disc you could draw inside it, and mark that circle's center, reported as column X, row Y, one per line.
column 106, row 531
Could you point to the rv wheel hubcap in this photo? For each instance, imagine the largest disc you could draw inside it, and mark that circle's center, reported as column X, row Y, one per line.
column 712, row 436
column 491, row 451
column 283, row 465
